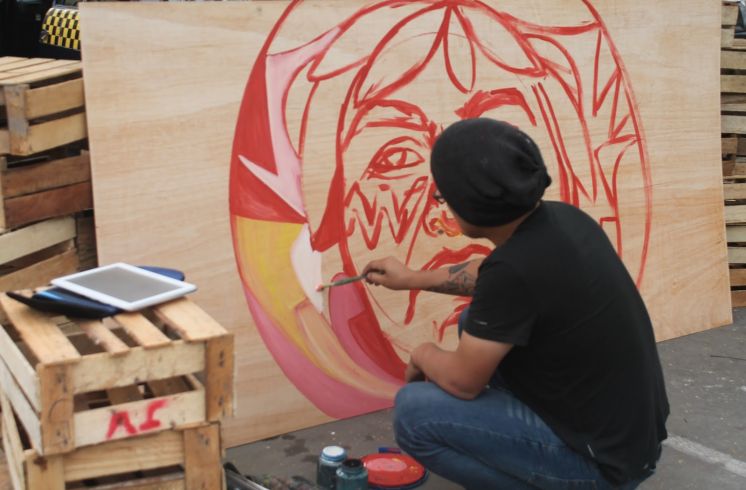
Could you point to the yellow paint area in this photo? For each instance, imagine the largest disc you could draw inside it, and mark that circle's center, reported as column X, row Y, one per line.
column 263, row 251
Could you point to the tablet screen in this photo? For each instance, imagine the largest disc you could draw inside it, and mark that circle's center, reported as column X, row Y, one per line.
column 123, row 284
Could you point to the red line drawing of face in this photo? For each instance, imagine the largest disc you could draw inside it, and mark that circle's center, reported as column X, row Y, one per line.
column 376, row 109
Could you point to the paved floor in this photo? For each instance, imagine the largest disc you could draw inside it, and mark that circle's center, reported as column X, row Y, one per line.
column 706, row 381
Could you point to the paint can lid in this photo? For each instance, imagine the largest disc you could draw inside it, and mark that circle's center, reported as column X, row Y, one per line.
column 334, row 453
column 393, row 471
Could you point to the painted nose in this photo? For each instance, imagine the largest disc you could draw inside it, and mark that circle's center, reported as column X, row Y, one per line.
column 438, row 220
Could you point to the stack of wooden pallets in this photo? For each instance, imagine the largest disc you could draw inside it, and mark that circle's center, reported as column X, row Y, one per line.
column 733, row 107
column 134, row 401
column 46, row 224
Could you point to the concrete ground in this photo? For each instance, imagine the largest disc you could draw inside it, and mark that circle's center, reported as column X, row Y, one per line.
column 706, row 381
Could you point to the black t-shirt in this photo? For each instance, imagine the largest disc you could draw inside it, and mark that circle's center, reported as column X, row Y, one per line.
column 584, row 356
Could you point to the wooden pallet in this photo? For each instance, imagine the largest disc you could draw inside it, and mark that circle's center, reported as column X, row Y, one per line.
column 37, row 253
column 733, row 94
column 43, row 188
column 733, row 118
column 734, row 192
column 83, row 382
column 41, row 104
column 184, row 459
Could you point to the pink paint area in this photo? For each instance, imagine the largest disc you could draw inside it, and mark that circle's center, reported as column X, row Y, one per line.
column 350, row 318
column 332, row 397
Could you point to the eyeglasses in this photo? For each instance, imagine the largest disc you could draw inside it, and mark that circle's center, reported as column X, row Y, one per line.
column 438, row 197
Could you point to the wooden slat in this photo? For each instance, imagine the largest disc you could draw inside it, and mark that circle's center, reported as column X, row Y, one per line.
column 37, row 73
column 141, row 453
column 189, row 320
column 102, row 336
column 219, row 377
column 729, row 14
column 202, row 457
column 734, row 191
column 169, row 386
column 43, row 136
column 26, row 414
column 733, row 107
column 25, row 241
column 4, row 142
column 85, row 241
column 125, row 394
column 733, row 124
column 737, row 277
column 14, row 464
column 735, row 84
column 12, row 446
column 47, row 175
column 20, row 369
column 735, row 214
column 6, row 60
column 142, row 330
column 48, row 204
column 739, row 171
column 737, row 255
column 171, row 481
column 729, row 145
column 144, row 417
column 736, row 234
column 39, row 332
column 102, row 371
column 57, row 409
column 732, row 60
column 24, row 65
column 738, row 298
column 45, row 473
column 41, row 272
column 55, row 98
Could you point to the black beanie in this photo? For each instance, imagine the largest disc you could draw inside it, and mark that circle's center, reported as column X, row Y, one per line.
column 489, row 172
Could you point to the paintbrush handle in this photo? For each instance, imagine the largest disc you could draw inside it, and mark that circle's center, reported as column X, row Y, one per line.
column 347, row 280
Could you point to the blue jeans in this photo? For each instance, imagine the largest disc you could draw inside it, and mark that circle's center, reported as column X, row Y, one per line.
column 492, row 442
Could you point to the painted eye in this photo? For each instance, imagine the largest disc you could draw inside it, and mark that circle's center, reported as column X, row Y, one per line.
column 392, row 157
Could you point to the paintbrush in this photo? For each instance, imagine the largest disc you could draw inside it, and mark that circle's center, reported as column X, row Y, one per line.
column 341, row 282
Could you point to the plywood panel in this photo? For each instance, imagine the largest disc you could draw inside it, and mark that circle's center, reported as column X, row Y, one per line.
column 165, row 163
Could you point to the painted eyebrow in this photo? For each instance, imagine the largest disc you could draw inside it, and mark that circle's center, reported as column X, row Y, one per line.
column 398, row 114
column 483, row 101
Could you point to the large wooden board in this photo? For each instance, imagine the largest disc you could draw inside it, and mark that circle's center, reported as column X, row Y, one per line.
column 627, row 119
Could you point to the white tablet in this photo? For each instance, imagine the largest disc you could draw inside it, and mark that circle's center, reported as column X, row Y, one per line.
column 124, row 286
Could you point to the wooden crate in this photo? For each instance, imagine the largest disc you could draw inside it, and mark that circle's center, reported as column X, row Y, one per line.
column 45, row 187
column 37, row 253
column 184, row 459
column 83, row 382
column 41, row 104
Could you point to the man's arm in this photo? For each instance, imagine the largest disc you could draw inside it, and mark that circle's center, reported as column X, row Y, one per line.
column 464, row 372
column 458, row 279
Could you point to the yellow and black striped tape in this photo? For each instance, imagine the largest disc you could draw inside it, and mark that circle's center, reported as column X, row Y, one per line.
column 61, row 28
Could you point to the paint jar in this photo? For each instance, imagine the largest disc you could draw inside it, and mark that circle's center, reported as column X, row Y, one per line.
column 352, row 475
column 326, row 470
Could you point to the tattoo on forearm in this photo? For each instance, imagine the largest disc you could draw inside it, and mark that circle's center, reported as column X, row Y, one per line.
column 460, row 282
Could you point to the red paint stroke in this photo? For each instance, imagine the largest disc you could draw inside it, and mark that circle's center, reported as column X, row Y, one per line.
column 121, row 418
column 391, row 200
column 151, row 422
